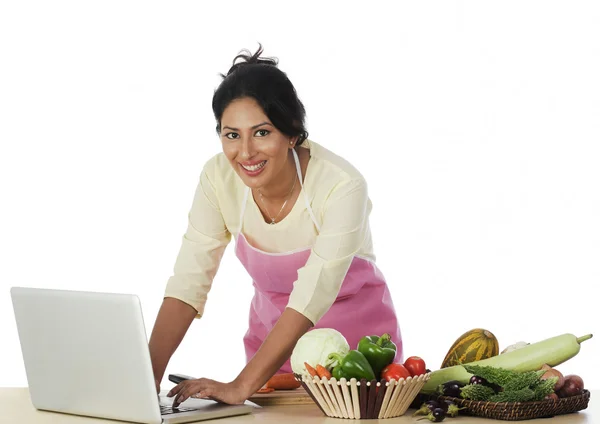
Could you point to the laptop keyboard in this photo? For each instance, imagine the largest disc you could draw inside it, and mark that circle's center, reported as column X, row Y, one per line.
column 167, row 410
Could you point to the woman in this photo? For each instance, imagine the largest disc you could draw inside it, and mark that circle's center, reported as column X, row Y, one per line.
column 299, row 216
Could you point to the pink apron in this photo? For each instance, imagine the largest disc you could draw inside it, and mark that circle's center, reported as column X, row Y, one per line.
column 363, row 305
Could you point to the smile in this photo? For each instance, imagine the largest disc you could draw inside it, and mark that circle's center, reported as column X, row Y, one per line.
column 254, row 168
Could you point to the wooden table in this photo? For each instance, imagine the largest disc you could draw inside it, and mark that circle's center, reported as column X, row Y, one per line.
column 16, row 407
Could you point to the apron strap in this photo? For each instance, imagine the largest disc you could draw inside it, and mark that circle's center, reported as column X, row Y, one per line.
column 310, row 211
column 243, row 208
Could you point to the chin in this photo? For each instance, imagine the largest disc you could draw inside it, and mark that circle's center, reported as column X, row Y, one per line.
column 252, row 182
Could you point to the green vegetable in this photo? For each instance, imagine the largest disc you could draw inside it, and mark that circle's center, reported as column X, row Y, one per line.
column 353, row 365
column 493, row 375
column 552, row 351
column 544, row 388
column 516, row 387
column 314, row 348
column 476, row 392
column 524, row 380
column 379, row 351
column 523, row 395
column 508, row 380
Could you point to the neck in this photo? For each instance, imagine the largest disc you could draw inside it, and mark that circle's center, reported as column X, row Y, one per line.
column 279, row 189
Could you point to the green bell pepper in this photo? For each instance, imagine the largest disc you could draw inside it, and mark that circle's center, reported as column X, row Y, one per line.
column 379, row 351
column 353, row 365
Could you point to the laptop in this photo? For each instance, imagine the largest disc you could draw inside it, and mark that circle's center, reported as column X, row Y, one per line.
column 86, row 353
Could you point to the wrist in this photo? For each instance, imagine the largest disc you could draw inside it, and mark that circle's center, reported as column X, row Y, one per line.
column 244, row 387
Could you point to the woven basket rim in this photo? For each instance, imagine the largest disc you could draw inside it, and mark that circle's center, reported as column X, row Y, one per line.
column 515, row 411
column 570, row 399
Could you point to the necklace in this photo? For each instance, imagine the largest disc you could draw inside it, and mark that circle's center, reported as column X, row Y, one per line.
column 283, row 206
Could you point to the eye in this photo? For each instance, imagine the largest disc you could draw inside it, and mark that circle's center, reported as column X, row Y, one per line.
column 263, row 133
column 232, row 135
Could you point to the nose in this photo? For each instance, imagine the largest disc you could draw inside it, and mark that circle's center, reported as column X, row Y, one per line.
column 247, row 147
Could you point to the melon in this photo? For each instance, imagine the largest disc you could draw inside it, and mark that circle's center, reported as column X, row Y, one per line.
column 474, row 345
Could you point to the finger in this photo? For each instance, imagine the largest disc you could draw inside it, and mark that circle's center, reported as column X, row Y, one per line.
column 208, row 393
column 186, row 392
column 205, row 394
column 211, row 394
column 179, row 399
column 176, row 389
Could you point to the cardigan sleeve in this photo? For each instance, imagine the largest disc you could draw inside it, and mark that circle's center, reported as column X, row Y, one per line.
column 342, row 234
column 202, row 246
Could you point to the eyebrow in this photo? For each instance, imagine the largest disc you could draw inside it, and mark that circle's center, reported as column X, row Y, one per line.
column 253, row 127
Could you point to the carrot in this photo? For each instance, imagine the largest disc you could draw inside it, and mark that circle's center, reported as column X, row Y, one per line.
column 311, row 370
column 283, row 382
column 322, row 372
column 265, row 390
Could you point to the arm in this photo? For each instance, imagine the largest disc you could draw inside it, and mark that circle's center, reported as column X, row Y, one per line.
column 273, row 353
column 343, row 232
column 198, row 260
column 174, row 319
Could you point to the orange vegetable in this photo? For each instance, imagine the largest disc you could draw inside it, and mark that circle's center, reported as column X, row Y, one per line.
column 285, row 381
column 311, row 370
column 265, row 390
column 322, row 372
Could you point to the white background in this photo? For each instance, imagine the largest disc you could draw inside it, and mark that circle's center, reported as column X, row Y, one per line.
column 475, row 123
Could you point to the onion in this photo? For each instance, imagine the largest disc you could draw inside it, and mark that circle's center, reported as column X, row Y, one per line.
column 573, row 386
column 555, row 373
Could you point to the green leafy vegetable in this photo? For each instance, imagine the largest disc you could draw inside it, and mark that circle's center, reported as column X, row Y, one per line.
column 523, row 380
column 493, row 375
column 315, row 346
column 476, row 392
column 544, row 388
column 515, row 386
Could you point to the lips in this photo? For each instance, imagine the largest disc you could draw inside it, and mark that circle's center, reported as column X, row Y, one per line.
column 252, row 169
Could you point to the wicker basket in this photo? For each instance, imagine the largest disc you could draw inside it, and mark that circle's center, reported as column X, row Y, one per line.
column 516, row 411
column 363, row 399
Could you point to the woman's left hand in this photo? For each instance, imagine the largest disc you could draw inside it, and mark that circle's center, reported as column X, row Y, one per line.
column 230, row 393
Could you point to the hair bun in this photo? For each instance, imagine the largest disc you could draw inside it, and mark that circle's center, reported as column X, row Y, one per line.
column 251, row 59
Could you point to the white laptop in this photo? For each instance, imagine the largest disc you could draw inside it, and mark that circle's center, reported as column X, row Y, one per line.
column 87, row 354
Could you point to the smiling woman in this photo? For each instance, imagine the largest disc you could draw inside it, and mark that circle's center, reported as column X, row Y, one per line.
column 260, row 154
column 299, row 215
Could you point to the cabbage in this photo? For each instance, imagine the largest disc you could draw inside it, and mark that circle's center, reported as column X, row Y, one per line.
column 314, row 348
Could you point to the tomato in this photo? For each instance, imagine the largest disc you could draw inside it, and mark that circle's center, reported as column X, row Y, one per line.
column 395, row 371
column 415, row 365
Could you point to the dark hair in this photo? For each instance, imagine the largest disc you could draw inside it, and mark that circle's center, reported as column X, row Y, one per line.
column 261, row 79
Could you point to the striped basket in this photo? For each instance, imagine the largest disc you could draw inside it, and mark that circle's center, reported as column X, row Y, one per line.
column 363, row 399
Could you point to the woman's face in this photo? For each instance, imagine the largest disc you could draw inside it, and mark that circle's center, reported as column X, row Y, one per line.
column 255, row 148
